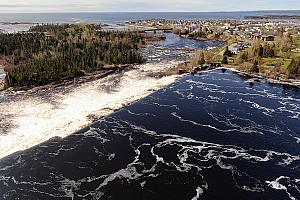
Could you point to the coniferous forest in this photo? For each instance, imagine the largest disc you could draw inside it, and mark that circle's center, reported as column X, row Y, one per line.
column 48, row 53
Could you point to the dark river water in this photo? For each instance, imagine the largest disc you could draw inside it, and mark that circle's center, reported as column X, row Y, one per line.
column 209, row 136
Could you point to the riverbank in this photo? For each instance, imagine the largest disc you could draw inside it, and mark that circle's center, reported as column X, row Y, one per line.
column 203, row 38
column 187, row 67
column 85, row 77
column 269, row 78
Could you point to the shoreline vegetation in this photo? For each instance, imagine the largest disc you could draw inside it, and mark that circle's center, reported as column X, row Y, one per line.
column 250, row 68
column 52, row 53
column 269, row 49
column 272, row 60
column 201, row 35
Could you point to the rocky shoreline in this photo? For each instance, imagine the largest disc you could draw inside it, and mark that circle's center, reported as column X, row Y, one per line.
column 186, row 68
column 292, row 82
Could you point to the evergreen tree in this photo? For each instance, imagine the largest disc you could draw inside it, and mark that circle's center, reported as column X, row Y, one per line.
column 255, row 68
column 225, row 60
column 202, row 59
column 227, row 52
column 294, row 69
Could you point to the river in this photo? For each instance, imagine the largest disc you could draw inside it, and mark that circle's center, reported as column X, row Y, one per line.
column 214, row 135
column 32, row 117
column 209, row 136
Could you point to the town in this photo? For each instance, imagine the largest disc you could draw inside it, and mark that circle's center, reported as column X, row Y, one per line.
column 269, row 47
column 242, row 29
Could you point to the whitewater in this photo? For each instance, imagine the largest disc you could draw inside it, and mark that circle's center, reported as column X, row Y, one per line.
column 28, row 120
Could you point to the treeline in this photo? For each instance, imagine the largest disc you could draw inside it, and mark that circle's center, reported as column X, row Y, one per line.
column 49, row 53
column 59, row 28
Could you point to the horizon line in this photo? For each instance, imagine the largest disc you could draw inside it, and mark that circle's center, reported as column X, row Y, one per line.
column 221, row 11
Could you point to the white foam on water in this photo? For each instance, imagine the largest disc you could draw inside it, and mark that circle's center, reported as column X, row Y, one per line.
column 278, row 186
column 199, row 192
column 35, row 120
column 297, row 140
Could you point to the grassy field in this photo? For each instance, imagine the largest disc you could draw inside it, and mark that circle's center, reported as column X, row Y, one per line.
column 296, row 40
column 296, row 54
column 285, row 62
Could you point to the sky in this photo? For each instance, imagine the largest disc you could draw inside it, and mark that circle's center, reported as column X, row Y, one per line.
column 7, row 6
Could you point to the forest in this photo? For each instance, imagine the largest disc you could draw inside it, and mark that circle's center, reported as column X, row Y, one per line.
column 48, row 53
